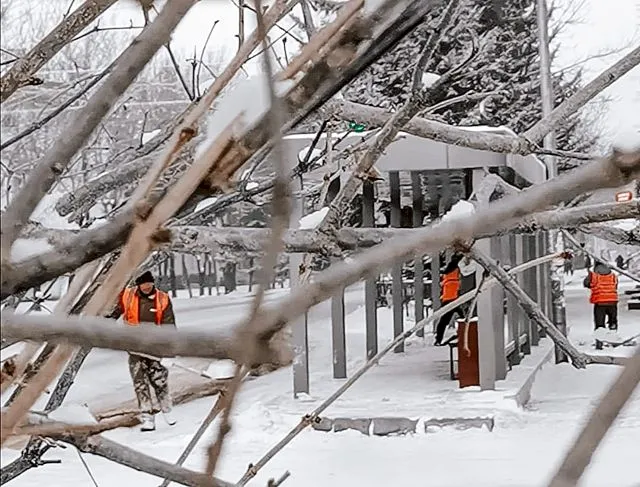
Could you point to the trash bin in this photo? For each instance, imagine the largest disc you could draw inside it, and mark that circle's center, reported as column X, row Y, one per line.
column 468, row 366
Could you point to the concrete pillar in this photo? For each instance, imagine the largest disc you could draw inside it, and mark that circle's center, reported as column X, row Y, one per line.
column 524, row 322
column 513, row 315
column 497, row 313
column 396, row 270
column 486, row 338
column 531, row 282
column 418, row 266
column 338, row 336
column 370, row 292
column 300, row 337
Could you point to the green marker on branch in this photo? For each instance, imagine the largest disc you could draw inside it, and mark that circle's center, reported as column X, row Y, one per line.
column 356, row 127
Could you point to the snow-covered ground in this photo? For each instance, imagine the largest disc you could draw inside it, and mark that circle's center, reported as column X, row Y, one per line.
column 522, row 450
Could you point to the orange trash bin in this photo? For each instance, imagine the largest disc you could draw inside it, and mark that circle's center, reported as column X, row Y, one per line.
column 468, row 365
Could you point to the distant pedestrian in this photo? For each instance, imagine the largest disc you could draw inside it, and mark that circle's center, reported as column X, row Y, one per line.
column 603, row 284
column 568, row 266
column 620, row 261
column 145, row 305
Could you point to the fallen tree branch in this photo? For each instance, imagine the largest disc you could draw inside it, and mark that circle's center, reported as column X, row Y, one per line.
column 89, row 331
column 127, row 67
column 308, row 419
column 38, row 425
column 123, row 455
column 23, row 69
column 580, row 248
column 229, row 240
column 524, row 145
column 600, row 422
column 614, row 171
column 578, row 359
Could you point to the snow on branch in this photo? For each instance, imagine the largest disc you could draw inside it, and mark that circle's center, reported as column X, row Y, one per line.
column 22, row 71
column 129, row 64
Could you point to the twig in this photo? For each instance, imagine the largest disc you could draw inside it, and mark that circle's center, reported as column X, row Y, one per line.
column 204, row 426
column 46, row 427
column 50, row 45
column 176, row 68
column 54, row 113
column 308, row 18
column 314, row 415
column 127, row 67
column 204, row 47
column 580, row 248
column 600, row 422
column 280, row 221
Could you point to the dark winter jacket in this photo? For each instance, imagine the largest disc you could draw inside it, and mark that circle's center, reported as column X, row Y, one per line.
column 600, row 268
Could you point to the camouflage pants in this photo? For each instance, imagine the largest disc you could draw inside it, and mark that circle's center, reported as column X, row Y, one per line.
column 148, row 373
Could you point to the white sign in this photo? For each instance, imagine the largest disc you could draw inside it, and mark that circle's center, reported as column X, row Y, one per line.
column 624, row 196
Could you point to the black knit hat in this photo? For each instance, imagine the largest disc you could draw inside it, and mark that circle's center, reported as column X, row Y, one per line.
column 145, row 277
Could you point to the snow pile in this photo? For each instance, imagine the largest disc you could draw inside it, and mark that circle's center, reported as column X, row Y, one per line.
column 73, row 414
column 429, row 79
column 312, row 220
column 46, row 214
column 252, row 185
column 627, row 225
column 315, row 154
column 25, row 248
column 147, row 136
column 248, row 102
column 221, row 369
column 460, row 210
column 205, row 203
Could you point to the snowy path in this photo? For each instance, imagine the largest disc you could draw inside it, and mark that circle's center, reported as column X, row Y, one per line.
column 521, row 451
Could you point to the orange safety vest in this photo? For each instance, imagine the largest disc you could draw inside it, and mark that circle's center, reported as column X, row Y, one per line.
column 131, row 306
column 604, row 288
column 450, row 285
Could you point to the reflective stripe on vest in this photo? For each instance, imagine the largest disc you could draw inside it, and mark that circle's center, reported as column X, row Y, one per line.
column 131, row 305
column 450, row 285
column 604, row 288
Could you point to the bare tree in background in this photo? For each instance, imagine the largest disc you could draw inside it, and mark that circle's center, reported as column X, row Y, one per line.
column 169, row 173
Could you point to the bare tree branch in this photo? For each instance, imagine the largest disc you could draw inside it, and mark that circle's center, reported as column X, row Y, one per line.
column 600, row 422
column 49, row 168
column 578, row 359
column 39, row 425
column 21, row 71
column 614, row 171
column 313, row 416
column 281, row 209
column 95, row 332
column 54, row 113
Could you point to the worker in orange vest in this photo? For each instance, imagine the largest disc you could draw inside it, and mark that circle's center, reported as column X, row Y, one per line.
column 145, row 305
column 449, row 291
column 604, row 297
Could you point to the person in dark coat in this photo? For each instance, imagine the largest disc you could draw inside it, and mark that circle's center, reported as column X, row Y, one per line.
column 145, row 305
